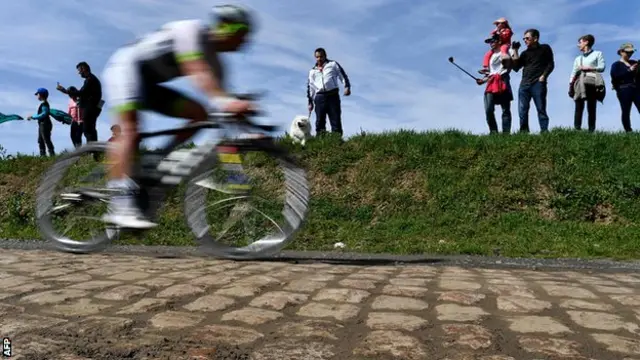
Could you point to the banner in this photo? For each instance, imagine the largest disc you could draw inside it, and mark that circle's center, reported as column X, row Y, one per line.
column 4, row 118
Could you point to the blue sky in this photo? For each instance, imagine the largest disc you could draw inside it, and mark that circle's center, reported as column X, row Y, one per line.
column 394, row 51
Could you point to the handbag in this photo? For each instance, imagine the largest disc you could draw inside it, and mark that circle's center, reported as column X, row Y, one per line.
column 589, row 77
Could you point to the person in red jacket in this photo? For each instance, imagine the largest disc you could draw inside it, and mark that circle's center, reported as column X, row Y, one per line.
column 504, row 32
column 498, row 90
column 76, row 115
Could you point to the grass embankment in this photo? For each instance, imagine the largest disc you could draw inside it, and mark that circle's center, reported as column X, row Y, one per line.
column 564, row 194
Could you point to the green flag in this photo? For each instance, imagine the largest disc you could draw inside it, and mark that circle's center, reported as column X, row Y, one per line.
column 4, row 118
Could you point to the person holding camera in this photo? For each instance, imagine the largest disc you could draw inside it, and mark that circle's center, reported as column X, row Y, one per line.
column 624, row 78
column 498, row 90
column 537, row 63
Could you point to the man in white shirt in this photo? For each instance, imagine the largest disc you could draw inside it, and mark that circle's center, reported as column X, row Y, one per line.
column 323, row 91
column 498, row 90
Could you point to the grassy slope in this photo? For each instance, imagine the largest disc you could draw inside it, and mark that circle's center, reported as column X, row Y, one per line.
column 564, row 194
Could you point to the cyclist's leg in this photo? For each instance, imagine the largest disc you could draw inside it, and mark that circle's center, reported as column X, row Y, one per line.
column 172, row 103
column 169, row 102
column 124, row 88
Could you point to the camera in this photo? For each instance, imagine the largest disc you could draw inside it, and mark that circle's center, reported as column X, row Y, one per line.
column 516, row 45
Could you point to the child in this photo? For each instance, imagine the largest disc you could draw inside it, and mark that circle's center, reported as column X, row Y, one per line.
column 44, row 123
column 503, row 30
column 115, row 133
column 76, row 114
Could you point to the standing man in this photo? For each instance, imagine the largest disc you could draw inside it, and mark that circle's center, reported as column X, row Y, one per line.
column 90, row 100
column 323, row 92
column 538, row 63
column 498, row 90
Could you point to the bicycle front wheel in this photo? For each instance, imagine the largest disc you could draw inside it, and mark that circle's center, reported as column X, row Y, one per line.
column 248, row 200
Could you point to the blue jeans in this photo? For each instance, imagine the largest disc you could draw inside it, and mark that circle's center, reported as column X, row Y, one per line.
column 504, row 100
column 490, row 102
column 538, row 92
column 628, row 96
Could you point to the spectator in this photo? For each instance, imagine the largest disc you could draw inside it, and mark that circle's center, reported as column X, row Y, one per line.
column 90, row 100
column 44, row 122
column 323, row 92
column 537, row 63
column 115, row 133
column 498, row 90
column 503, row 30
column 586, row 84
column 624, row 78
column 76, row 116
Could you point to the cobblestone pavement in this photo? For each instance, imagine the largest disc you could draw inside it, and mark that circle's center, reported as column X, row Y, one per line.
column 60, row 306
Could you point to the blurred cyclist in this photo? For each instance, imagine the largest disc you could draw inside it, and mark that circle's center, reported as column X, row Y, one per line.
column 133, row 78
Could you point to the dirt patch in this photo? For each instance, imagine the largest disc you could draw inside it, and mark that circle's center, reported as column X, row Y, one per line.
column 544, row 195
column 602, row 214
column 127, row 343
column 414, row 182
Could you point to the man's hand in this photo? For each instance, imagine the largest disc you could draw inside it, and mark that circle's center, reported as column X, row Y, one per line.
column 481, row 81
column 310, row 107
column 542, row 78
column 60, row 87
column 347, row 91
column 634, row 67
column 29, row 117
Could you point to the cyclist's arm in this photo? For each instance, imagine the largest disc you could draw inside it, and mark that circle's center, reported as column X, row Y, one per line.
column 189, row 49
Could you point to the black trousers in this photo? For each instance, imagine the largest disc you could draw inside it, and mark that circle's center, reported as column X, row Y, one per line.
column 89, row 120
column 44, row 138
column 591, row 102
column 76, row 134
column 328, row 104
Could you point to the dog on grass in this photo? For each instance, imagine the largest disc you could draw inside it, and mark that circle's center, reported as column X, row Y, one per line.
column 300, row 129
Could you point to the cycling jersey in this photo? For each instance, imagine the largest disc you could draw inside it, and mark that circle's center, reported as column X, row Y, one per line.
column 154, row 59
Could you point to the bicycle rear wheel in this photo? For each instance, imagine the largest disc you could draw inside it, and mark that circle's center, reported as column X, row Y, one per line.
column 223, row 216
column 65, row 191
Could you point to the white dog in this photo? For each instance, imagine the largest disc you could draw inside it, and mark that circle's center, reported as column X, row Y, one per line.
column 300, row 129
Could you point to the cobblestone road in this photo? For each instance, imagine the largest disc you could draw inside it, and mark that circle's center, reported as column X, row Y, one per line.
column 59, row 306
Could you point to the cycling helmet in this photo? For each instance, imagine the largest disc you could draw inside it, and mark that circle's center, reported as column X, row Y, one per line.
column 230, row 19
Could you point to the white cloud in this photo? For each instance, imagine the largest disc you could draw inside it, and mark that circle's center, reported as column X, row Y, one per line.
column 395, row 53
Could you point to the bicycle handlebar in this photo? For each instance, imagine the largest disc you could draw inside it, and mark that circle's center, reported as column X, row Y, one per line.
column 243, row 119
column 249, row 96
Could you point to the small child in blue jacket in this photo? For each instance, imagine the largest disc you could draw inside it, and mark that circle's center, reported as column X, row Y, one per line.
column 44, row 122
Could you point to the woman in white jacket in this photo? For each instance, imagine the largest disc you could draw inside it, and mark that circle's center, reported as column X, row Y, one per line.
column 589, row 61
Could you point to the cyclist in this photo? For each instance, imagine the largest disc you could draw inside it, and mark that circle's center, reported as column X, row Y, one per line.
column 133, row 75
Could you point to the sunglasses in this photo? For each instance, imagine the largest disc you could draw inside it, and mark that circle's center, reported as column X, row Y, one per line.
column 526, row 38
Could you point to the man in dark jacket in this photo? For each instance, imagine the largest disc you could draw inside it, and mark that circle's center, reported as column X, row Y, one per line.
column 538, row 63
column 90, row 100
column 44, row 122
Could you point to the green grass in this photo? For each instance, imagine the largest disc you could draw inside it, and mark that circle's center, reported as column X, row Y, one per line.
column 561, row 194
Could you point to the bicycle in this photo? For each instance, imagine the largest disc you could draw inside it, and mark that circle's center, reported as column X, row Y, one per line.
column 157, row 172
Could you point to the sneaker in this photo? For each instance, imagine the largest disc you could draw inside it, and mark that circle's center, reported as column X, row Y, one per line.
column 131, row 218
column 123, row 213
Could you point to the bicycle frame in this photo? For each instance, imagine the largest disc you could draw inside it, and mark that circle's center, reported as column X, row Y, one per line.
column 212, row 123
column 156, row 171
